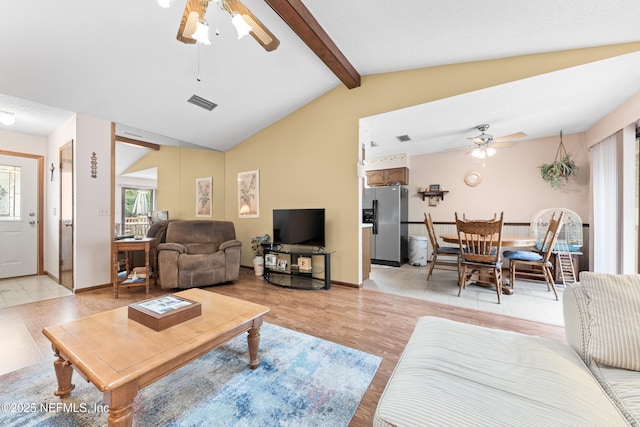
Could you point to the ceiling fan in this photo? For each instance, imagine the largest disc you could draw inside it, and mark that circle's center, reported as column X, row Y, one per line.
column 484, row 145
column 244, row 21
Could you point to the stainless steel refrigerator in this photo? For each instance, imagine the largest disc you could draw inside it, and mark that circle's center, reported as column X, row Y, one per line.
column 387, row 209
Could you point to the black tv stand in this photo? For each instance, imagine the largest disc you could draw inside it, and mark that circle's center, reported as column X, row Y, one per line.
column 296, row 266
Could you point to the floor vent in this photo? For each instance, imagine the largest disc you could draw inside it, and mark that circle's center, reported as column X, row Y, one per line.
column 202, row 103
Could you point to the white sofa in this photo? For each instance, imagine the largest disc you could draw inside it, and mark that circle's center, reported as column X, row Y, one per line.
column 457, row 374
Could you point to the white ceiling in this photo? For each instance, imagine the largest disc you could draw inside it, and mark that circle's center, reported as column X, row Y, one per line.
column 119, row 60
column 571, row 100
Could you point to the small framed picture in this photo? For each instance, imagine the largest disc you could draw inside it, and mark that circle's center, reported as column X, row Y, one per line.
column 434, row 187
column 282, row 264
column 270, row 260
column 304, row 263
column 203, row 197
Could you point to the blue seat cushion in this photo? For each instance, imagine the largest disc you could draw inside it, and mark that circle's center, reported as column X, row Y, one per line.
column 522, row 255
column 451, row 250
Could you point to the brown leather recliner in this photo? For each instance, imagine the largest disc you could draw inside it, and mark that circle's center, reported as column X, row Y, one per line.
column 198, row 253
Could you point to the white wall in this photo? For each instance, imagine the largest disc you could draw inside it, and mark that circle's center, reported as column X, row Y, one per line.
column 20, row 143
column 92, row 216
column 64, row 134
column 92, row 240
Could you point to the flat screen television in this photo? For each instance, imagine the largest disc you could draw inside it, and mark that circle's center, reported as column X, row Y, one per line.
column 299, row 227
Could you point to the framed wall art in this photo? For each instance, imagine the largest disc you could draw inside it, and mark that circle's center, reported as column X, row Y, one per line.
column 203, row 197
column 249, row 194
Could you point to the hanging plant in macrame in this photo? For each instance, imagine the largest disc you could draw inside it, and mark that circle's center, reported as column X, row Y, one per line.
column 561, row 168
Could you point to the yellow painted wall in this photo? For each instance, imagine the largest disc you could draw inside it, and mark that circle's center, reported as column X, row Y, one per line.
column 308, row 159
column 178, row 169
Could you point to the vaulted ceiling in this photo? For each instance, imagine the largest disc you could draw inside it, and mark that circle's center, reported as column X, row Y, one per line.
column 119, row 60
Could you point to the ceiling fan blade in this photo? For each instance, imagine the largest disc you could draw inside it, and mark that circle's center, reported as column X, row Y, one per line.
column 510, row 137
column 258, row 31
column 503, row 144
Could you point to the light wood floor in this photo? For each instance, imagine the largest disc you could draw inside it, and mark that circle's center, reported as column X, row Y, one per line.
column 367, row 320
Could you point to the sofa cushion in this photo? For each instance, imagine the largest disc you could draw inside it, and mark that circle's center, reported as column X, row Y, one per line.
column 456, row 374
column 613, row 310
column 623, row 388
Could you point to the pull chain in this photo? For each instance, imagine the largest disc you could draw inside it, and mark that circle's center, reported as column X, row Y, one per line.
column 198, row 72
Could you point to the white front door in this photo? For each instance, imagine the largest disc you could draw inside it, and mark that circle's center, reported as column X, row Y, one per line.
column 18, row 216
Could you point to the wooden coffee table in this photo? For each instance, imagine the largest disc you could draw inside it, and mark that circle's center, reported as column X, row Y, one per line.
column 120, row 356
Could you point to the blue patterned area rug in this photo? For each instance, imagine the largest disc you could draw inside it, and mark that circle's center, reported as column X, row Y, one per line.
column 301, row 381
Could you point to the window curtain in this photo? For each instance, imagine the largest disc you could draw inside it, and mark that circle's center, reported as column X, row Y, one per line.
column 606, row 252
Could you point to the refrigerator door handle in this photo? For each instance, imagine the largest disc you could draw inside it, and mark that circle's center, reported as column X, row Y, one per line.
column 375, row 216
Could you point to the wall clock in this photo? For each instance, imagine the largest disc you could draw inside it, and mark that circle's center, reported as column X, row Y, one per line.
column 472, row 178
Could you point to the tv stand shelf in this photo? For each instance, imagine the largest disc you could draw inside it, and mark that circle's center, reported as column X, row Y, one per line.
column 285, row 269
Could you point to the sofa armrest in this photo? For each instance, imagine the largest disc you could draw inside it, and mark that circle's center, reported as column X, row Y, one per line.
column 576, row 319
column 177, row 247
column 230, row 244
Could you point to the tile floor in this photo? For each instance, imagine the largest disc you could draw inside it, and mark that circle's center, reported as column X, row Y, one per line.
column 24, row 290
column 531, row 300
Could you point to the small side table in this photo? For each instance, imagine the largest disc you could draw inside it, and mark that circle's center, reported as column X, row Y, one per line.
column 126, row 246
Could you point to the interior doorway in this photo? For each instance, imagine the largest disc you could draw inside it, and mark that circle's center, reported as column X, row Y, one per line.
column 66, row 215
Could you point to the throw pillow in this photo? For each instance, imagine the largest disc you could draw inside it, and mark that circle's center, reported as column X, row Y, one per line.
column 613, row 308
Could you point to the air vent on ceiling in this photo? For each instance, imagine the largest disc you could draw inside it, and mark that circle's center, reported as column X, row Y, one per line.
column 403, row 138
column 202, row 103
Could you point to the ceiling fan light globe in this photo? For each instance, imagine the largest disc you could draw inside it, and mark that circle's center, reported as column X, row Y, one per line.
column 202, row 33
column 241, row 25
column 490, row 151
column 478, row 153
column 7, row 119
column 164, row 3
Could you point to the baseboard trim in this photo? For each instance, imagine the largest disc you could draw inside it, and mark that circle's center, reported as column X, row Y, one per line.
column 93, row 288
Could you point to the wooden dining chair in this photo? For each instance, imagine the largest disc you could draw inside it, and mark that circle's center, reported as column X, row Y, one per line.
column 495, row 218
column 537, row 263
column 480, row 252
column 449, row 255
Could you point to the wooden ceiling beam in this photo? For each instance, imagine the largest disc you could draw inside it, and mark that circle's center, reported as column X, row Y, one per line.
column 302, row 22
column 137, row 142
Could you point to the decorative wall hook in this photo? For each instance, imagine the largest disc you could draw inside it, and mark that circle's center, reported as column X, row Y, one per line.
column 94, row 165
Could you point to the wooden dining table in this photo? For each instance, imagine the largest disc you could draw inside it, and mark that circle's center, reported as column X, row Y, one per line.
column 508, row 241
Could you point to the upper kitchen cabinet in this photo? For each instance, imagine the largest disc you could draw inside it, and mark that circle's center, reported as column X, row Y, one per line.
column 388, row 177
